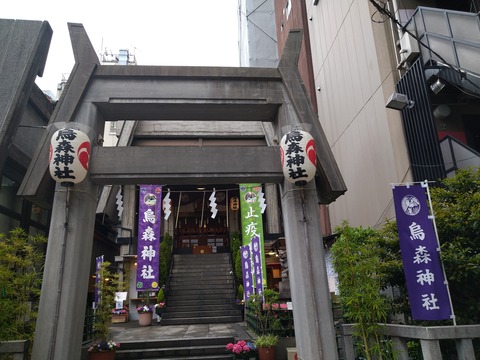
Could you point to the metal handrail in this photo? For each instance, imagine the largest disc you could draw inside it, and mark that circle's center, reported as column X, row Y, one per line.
column 457, row 155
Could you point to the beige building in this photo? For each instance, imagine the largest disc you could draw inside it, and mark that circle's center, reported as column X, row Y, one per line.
column 354, row 74
column 360, row 58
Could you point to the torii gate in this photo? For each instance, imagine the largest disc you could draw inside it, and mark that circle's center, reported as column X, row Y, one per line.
column 96, row 93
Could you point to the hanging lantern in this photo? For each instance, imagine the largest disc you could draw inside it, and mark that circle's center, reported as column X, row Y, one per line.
column 234, row 203
column 298, row 155
column 69, row 156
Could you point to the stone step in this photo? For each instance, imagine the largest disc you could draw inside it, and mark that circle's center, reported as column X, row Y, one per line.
column 208, row 269
column 200, row 284
column 200, row 320
column 201, row 272
column 210, row 292
column 190, row 279
column 202, row 307
column 207, row 357
column 189, row 260
column 202, row 256
column 194, row 262
column 200, row 313
column 200, row 348
column 195, row 301
column 201, row 291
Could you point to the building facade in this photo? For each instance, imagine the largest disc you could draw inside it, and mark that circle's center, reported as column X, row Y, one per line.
column 360, row 57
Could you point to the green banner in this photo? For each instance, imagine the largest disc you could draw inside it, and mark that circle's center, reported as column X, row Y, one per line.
column 252, row 223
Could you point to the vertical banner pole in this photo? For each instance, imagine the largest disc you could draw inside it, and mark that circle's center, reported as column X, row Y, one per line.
column 178, row 209
column 425, row 185
column 203, row 208
column 227, row 209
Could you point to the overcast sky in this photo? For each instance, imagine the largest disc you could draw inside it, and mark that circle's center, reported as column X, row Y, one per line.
column 160, row 32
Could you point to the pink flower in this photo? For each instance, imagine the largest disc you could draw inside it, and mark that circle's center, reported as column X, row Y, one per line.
column 241, row 343
column 240, row 348
column 237, row 349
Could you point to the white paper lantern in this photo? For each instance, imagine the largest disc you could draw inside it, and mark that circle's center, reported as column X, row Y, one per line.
column 299, row 158
column 69, row 156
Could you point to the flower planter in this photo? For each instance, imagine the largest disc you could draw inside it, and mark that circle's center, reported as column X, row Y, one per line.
column 266, row 353
column 145, row 319
column 101, row 355
column 119, row 318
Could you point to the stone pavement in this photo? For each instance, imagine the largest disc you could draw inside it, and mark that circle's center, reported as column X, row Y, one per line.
column 131, row 331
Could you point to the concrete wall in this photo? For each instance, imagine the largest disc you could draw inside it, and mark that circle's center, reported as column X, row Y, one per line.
column 354, row 75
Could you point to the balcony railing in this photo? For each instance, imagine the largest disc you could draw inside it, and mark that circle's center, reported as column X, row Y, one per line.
column 429, row 337
column 455, row 35
column 457, row 156
column 451, row 45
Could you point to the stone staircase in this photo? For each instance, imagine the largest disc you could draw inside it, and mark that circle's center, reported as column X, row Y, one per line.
column 207, row 348
column 201, row 291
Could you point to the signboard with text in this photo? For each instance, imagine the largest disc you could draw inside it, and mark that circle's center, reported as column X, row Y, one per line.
column 252, row 220
column 427, row 290
column 149, row 216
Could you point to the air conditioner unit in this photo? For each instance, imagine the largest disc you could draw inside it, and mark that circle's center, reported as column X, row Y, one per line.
column 409, row 48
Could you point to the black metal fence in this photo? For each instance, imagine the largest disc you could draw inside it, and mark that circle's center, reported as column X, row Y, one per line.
column 88, row 332
column 272, row 318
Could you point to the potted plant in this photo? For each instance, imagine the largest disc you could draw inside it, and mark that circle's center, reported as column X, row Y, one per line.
column 108, row 283
column 265, row 345
column 145, row 315
column 242, row 350
column 145, row 312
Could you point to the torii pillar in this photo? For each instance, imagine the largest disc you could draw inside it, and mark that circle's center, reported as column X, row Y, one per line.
column 59, row 329
column 312, row 307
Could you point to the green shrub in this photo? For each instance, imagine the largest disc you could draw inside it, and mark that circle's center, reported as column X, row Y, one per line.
column 235, row 244
column 240, row 292
column 165, row 258
column 108, row 285
column 21, row 270
column 267, row 340
column 161, row 296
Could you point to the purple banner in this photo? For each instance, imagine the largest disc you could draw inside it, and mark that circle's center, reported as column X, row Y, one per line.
column 149, row 215
column 98, row 263
column 257, row 264
column 427, row 290
column 246, row 271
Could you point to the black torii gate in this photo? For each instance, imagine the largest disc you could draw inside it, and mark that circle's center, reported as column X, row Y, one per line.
column 95, row 94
